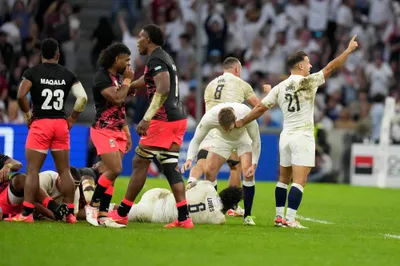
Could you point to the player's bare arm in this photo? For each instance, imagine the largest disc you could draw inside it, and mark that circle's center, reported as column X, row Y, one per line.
column 10, row 165
column 341, row 59
column 253, row 100
column 115, row 95
column 137, row 85
column 80, row 103
column 23, row 90
column 128, row 136
column 255, row 113
column 162, row 83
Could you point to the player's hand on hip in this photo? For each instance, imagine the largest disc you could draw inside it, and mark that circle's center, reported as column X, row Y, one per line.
column 129, row 73
column 250, row 172
column 239, row 123
column 267, row 88
column 353, row 44
column 142, row 127
column 70, row 122
column 186, row 166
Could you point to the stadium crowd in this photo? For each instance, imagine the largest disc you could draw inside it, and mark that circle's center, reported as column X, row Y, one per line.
column 261, row 33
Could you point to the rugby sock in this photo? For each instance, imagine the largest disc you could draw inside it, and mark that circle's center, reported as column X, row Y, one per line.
column 248, row 196
column 124, row 207
column 294, row 200
column 27, row 208
column 183, row 212
column 215, row 185
column 280, row 198
column 50, row 204
column 192, row 179
column 88, row 189
column 101, row 187
column 71, row 207
column 105, row 201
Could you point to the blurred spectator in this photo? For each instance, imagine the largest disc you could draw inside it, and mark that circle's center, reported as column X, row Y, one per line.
column 6, row 49
column 103, row 36
column 12, row 29
column 70, row 41
column 345, row 120
column 130, row 39
column 380, row 76
column 376, row 114
column 130, row 5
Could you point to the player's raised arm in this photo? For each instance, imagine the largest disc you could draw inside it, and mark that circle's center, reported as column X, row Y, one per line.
column 137, row 84
column 116, row 95
column 341, row 59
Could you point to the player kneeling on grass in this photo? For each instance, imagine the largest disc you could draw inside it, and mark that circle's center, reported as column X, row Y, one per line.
column 226, row 139
column 205, row 205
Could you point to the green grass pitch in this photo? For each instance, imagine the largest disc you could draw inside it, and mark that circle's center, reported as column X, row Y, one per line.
column 359, row 219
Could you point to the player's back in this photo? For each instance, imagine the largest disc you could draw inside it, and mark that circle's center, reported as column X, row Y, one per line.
column 172, row 109
column 226, row 88
column 204, row 204
column 295, row 96
column 51, row 84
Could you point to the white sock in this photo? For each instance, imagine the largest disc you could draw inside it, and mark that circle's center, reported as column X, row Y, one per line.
column 192, row 179
column 280, row 211
column 290, row 215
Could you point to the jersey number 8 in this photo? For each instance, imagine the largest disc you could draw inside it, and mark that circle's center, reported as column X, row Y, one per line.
column 57, row 104
column 218, row 91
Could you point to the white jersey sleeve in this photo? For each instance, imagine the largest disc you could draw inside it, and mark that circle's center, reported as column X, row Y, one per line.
column 313, row 81
column 207, row 123
column 272, row 98
column 204, row 204
column 254, row 133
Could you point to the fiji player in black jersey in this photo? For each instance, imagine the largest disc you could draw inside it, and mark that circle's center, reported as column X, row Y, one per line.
column 161, row 129
column 49, row 84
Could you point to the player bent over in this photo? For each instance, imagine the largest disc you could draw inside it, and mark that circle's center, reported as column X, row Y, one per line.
column 49, row 84
column 161, row 129
column 226, row 139
column 205, row 205
column 295, row 96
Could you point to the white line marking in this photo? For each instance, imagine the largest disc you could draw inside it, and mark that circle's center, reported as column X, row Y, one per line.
column 392, row 236
column 312, row 220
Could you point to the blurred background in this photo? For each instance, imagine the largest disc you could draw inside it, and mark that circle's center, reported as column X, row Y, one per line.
column 200, row 34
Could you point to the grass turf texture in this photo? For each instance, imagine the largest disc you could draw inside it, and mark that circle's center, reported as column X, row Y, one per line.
column 360, row 217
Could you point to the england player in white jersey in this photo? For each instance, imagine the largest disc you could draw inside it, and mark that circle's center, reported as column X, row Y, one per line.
column 228, row 87
column 295, row 96
column 226, row 139
column 205, row 205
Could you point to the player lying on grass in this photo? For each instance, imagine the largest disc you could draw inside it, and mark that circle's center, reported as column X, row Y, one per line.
column 50, row 183
column 12, row 191
column 205, row 205
column 226, row 139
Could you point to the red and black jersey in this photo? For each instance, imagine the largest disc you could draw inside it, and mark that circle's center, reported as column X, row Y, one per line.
column 172, row 109
column 51, row 84
column 108, row 116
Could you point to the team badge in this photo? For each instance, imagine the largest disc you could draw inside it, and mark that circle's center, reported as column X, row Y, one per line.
column 112, row 143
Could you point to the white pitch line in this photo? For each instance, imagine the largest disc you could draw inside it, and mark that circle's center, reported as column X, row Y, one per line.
column 313, row 220
column 392, row 236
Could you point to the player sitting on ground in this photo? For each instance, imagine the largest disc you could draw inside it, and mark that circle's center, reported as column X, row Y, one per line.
column 12, row 190
column 295, row 96
column 50, row 183
column 228, row 87
column 226, row 139
column 205, row 205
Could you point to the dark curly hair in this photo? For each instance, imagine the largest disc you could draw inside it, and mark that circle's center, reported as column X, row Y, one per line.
column 108, row 55
column 155, row 34
column 230, row 197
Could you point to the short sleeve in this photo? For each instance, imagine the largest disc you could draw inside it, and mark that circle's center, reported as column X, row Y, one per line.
column 102, row 81
column 28, row 75
column 74, row 79
column 248, row 90
column 271, row 99
column 312, row 82
column 156, row 66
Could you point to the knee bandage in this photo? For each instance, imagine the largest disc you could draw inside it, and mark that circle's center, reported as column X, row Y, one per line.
column 169, row 160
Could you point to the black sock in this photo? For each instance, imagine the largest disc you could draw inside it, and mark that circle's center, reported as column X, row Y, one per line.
column 98, row 194
column 123, row 209
column 183, row 213
column 27, row 208
column 248, row 197
column 105, row 203
column 52, row 206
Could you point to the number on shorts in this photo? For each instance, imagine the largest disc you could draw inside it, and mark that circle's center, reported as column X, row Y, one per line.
column 218, row 91
column 58, row 104
column 197, row 207
column 290, row 97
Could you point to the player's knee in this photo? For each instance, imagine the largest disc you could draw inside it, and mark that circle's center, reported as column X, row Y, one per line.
column 172, row 173
column 210, row 173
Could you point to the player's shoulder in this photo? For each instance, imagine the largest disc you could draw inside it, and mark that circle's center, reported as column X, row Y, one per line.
column 48, row 173
column 160, row 55
column 101, row 75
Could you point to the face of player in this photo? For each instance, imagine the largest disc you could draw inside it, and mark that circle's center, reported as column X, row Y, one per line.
column 305, row 66
column 121, row 62
column 143, row 42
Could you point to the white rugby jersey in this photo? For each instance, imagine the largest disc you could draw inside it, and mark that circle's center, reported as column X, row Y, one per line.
column 236, row 136
column 227, row 88
column 295, row 96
